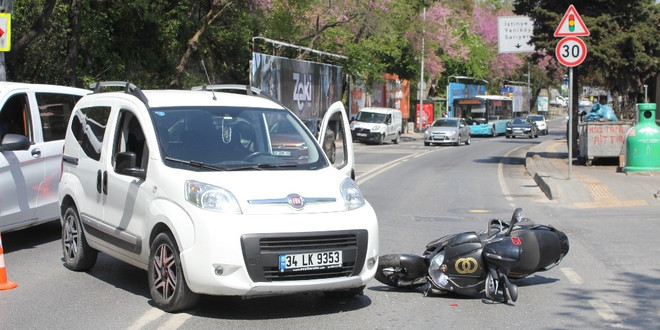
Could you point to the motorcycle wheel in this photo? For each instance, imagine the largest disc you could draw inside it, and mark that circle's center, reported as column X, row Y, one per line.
column 390, row 262
column 491, row 287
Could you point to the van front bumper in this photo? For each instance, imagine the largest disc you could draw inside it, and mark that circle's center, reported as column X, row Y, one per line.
column 244, row 258
column 365, row 135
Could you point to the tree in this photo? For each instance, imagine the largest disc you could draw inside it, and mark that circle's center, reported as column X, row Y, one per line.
column 217, row 8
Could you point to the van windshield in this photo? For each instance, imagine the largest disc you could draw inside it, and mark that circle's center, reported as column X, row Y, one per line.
column 371, row 117
column 234, row 138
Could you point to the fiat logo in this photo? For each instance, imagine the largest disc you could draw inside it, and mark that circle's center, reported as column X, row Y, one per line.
column 296, row 201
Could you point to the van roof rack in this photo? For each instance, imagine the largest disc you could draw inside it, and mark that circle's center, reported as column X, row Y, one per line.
column 129, row 88
column 238, row 89
column 235, row 88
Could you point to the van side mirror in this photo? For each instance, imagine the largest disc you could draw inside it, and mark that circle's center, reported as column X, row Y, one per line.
column 14, row 142
column 125, row 164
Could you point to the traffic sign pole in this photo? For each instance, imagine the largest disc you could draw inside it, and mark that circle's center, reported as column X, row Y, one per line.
column 570, row 122
column 571, row 51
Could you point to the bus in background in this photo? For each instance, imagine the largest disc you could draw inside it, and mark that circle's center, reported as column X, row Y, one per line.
column 485, row 114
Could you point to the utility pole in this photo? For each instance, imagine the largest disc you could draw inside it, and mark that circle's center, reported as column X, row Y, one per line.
column 421, row 78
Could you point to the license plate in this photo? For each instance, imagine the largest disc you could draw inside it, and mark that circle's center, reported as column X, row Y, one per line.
column 310, row 261
column 361, row 134
column 285, row 153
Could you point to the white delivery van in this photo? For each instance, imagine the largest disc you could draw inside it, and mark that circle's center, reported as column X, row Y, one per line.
column 212, row 193
column 374, row 124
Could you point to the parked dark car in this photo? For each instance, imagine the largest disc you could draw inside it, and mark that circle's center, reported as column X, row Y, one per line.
column 521, row 127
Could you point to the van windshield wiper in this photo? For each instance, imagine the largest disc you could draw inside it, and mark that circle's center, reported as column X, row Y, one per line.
column 197, row 164
column 259, row 167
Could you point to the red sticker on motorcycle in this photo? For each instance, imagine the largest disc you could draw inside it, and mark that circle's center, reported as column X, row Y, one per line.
column 516, row 240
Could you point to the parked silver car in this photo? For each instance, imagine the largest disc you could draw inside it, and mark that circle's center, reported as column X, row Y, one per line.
column 33, row 119
column 447, row 130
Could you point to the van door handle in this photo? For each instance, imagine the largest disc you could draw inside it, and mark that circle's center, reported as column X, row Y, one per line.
column 105, row 182
column 36, row 152
column 98, row 181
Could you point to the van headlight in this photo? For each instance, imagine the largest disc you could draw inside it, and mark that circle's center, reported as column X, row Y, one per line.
column 209, row 197
column 352, row 195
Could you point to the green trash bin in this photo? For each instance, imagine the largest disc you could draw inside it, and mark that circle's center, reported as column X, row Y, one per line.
column 643, row 142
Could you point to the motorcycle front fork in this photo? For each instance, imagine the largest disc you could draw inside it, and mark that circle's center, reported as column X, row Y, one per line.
column 494, row 280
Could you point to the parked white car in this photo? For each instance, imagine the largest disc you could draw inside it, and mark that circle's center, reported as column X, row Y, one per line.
column 189, row 186
column 541, row 123
column 33, row 120
column 559, row 101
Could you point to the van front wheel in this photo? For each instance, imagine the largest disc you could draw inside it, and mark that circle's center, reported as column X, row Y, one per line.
column 167, row 283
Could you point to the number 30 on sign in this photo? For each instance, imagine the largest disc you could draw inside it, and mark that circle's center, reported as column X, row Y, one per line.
column 571, row 51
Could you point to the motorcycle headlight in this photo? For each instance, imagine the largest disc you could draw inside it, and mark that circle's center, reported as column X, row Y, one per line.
column 211, row 198
column 352, row 195
column 437, row 269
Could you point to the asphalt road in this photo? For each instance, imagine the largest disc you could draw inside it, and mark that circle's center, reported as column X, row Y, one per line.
column 609, row 278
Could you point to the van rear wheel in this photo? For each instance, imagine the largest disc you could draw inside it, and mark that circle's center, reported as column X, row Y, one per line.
column 78, row 255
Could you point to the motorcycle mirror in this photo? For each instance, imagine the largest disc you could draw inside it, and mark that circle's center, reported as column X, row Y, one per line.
column 515, row 218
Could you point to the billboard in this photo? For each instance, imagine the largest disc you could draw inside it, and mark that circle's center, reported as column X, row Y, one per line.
column 306, row 88
column 520, row 100
column 424, row 117
column 392, row 93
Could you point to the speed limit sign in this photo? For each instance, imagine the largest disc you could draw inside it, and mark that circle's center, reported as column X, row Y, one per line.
column 571, row 51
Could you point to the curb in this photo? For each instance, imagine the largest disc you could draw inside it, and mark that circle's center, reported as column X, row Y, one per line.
column 531, row 159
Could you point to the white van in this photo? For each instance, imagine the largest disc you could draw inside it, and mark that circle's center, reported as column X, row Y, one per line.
column 33, row 119
column 374, row 124
column 212, row 193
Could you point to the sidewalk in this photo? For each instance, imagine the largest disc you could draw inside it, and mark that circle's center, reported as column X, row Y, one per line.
column 598, row 186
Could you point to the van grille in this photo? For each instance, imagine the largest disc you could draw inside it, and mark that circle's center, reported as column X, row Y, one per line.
column 262, row 251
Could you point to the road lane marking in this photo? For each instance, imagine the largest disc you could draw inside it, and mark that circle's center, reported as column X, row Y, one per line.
column 479, row 211
column 175, row 321
column 604, row 310
column 148, row 317
column 500, row 176
column 362, row 178
column 171, row 321
column 572, row 276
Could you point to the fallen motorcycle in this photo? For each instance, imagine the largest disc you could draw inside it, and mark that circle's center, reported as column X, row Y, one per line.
column 470, row 262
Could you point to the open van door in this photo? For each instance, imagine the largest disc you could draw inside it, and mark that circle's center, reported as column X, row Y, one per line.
column 345, row 159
